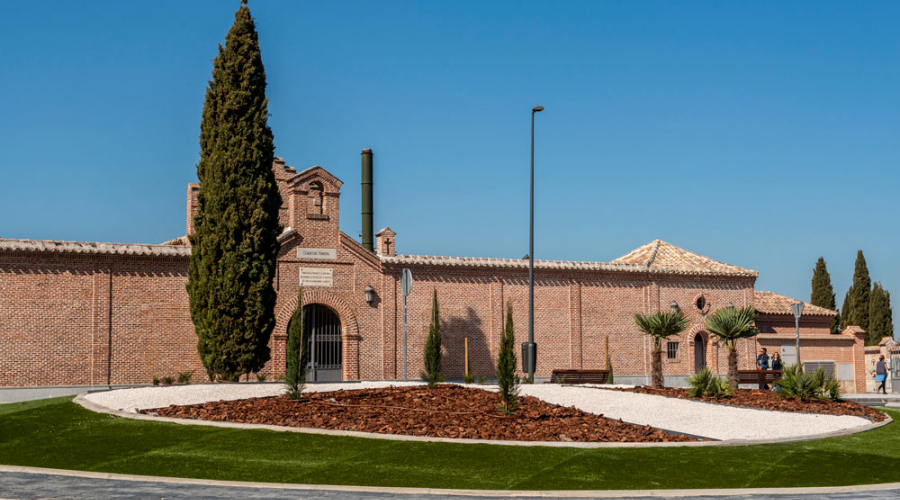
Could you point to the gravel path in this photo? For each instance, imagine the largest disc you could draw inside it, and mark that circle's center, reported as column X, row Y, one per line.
column 692, row 417
column 679, row 415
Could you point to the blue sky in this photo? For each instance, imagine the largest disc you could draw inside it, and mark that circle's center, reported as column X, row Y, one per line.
column 762, row 134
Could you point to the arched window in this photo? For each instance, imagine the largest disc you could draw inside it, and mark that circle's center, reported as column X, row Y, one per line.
column 316, row 198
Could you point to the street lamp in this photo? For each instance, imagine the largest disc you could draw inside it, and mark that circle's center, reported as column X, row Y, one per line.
column 529, row 349
column 797, row 309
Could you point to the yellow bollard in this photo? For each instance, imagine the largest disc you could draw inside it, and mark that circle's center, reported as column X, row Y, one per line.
column 467, row 356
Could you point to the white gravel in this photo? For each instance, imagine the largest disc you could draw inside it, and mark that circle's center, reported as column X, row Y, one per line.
column 679, row 415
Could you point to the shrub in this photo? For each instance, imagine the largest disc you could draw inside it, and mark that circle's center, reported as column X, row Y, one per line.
column 507, row 379
column 482, row 380
column 561, row 379
column 469, row 379
column 707, row 384
column 155, row 381
column 796, row 384
column 168, row 380
column 261, row 377
column 185, row 377
column 296, row 352
column 433, row 347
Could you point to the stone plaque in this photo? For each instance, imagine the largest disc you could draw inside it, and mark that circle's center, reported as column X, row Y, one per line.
column 316, row 276
column 317, row 253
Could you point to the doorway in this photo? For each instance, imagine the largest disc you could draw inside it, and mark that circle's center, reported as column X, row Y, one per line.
column 699, row 353
column 322, row 331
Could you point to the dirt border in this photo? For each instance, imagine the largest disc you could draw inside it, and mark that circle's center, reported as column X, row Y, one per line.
column 80, row 399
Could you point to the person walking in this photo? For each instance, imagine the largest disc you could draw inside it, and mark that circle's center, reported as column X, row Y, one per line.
column 762, row 363
column 881, row 374
column 777, row 364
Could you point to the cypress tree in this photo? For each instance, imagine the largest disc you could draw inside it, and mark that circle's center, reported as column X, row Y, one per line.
column 881, row 322
column 433, row 346
column 856, row 304
column 507, row 380
column 823, row 293
column 235, row 244
column 296, row 352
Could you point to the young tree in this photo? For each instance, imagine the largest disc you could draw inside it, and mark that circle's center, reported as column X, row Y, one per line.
column 433, row 346
column 296, row 352
column 507, row 379
column 823, row 293
column 881, row 322
column 660, row 325
column 730, row 324
column 235, row 243
column 856, row 304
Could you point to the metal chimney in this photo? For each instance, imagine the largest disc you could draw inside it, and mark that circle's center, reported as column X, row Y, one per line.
column 368, row 228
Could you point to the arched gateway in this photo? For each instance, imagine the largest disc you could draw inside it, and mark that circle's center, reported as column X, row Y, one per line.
column 699, row 352
column 324, row 343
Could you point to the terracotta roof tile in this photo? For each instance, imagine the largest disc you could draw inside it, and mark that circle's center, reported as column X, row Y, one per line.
column 664, row 257
column 88, row 247
column 773, row 303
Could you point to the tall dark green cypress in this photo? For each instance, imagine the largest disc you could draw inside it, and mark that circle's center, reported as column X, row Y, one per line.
column 881, row 321
column 823, row 293
column 507, row 380
column 433, row 346
column 856, row 304
column 296, row 352
column 235, row 243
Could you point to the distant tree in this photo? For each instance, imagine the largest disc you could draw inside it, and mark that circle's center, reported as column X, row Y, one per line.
column 296, row 352
column 730, row 324
column 660, row 325
column 856, row 304
column 823, row 293
column 235, row 243
column 433, row 347
column 881, row 322
column 507, row 379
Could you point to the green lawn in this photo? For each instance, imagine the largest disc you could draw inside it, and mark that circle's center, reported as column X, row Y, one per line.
column 57, row 433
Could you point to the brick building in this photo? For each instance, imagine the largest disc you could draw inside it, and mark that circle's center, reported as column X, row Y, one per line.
column 81, row 313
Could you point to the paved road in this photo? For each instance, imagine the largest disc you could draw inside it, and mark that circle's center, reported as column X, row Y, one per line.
column 23, row 485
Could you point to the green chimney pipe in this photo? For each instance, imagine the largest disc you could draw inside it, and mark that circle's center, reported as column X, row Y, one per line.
column 368, row 230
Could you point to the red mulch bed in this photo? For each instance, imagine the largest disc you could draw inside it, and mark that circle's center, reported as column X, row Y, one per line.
column 446, row 411
column 768, row 400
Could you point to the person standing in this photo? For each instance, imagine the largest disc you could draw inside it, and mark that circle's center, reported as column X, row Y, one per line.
column 777, row 364
column 762, row 363
column 881, row 374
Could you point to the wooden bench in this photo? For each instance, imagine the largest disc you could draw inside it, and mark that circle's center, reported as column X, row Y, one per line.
column 579, row 376
column 758, row 376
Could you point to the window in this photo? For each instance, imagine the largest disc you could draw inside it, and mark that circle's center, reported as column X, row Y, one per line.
column 672, row 350
column 701, row 302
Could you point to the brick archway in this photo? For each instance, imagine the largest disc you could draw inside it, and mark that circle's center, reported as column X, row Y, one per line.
column 349, row 326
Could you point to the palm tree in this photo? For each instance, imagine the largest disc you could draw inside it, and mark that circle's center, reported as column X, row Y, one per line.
column 661, row 325
column 730, row 324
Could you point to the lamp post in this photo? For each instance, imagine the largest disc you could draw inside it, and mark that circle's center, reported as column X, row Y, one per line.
column 797, row 309
column 529, row 351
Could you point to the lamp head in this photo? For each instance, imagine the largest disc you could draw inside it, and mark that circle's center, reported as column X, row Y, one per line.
column 537, row 109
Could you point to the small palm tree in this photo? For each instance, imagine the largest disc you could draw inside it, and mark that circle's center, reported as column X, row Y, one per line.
column 661, row 325
column 730, row 324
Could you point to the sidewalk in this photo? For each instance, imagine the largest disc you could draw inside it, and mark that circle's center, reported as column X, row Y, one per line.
column 891, row 399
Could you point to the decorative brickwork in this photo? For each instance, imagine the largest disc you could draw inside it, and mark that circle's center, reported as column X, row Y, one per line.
column 96, row 313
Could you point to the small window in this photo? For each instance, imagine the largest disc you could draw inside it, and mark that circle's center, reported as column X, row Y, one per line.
column 701, row 302
column 672, row 350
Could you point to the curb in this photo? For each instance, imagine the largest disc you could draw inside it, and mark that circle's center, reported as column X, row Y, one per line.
column 80, row 399
column 820, row 490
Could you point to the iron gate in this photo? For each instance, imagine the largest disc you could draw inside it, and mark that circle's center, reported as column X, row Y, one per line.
column 322, row 329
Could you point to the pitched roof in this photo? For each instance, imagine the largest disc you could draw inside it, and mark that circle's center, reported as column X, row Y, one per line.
column 90, row 247
column 664, row 257
column 655, row 257
column 435, row 260
column 773, row 303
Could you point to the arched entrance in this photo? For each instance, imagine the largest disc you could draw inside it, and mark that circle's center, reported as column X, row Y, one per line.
column 322, row 331
column 699, row 352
